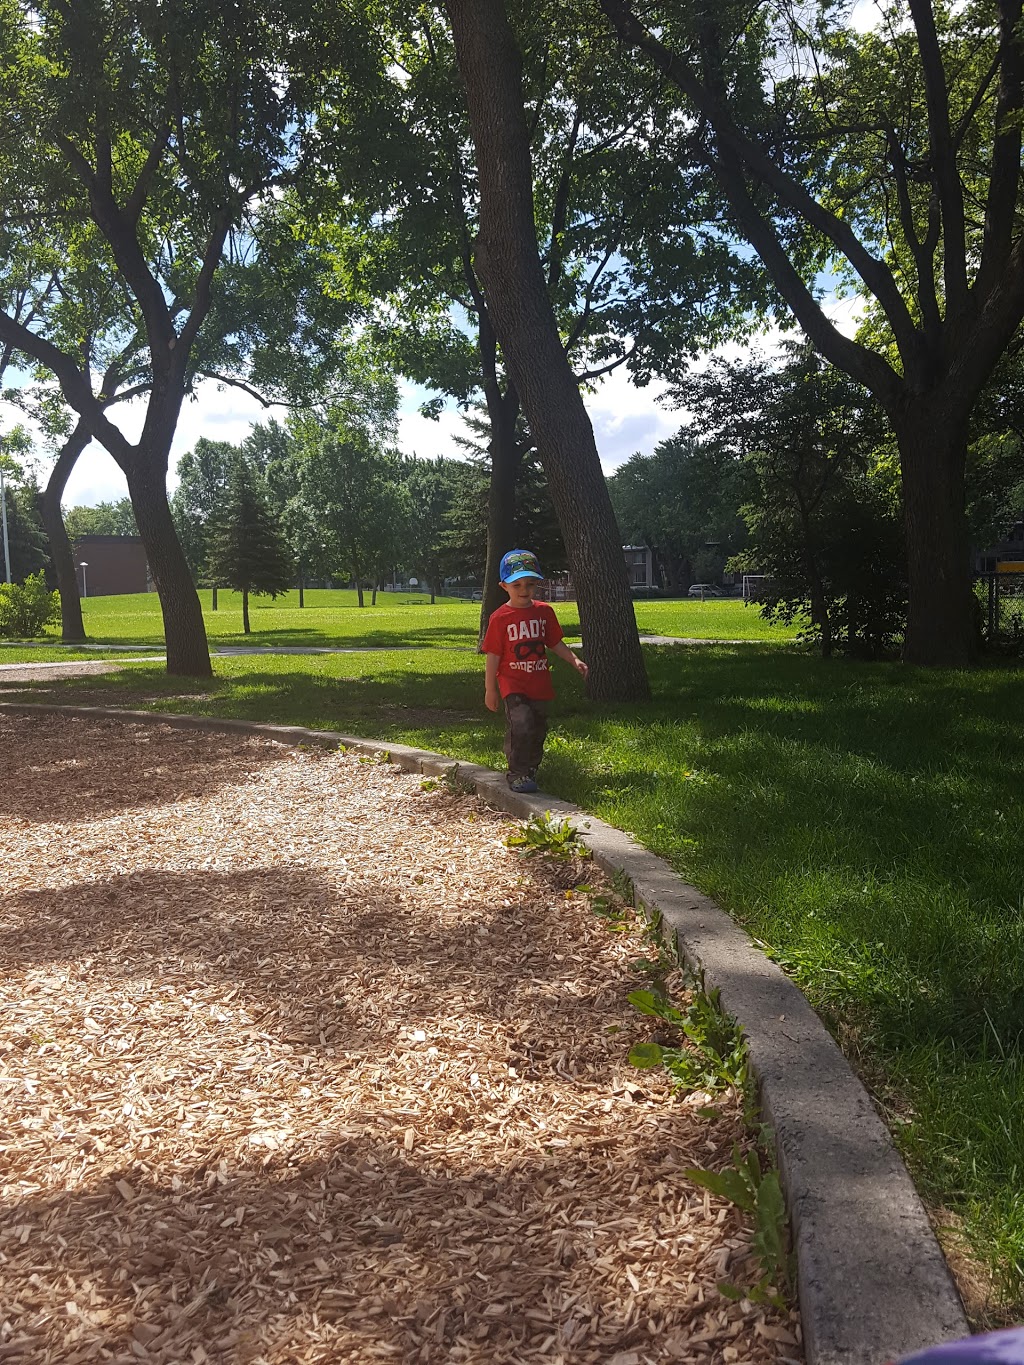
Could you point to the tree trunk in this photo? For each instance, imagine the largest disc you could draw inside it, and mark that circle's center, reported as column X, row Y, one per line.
column 373, row 599
column 506, row 457
column 517, row 298
column 213, row 598
column 246, row 630
column 72, row 627
column 359, row 584
column 302, row 592
column 933, row 455
column 188, row 654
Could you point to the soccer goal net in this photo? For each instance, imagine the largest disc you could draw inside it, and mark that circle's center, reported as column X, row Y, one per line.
column 752, row 583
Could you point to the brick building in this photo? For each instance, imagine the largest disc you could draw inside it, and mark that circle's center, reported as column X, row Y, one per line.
column 113, row 565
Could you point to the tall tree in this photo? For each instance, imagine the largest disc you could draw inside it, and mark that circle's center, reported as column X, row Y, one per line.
column 892, row 158
column 349, row 511
column 204, row 476
column 516, row 291
column 246, row 549
column 142, row 140
column 683, row 502
column 594, row 153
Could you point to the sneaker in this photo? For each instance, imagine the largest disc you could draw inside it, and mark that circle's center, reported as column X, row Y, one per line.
column 522, row 785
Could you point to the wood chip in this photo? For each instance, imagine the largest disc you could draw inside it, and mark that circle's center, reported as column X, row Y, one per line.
column 300, row 1064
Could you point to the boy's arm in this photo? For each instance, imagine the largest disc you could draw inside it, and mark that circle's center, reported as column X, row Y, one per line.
column 492, row 698
column 563, row 651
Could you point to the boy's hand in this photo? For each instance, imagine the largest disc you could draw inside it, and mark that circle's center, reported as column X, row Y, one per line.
column 581, row 667
column 492, row 699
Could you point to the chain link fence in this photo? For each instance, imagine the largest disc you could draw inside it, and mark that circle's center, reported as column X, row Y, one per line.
column 1001, row 596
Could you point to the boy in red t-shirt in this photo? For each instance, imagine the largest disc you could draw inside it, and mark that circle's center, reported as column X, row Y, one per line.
column 519, row 635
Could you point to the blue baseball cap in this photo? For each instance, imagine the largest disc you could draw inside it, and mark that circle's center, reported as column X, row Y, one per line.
column 518, row 564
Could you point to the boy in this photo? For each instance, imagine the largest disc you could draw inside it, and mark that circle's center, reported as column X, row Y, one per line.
column 519, row 635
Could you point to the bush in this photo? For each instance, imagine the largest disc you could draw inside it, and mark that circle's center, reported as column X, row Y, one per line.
column 26, row 609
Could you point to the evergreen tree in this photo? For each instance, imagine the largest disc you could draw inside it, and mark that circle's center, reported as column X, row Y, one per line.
column 25, row 535
column 246, row 548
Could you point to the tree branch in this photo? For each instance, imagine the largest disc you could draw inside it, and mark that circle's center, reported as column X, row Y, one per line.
column 943, row 157
column 587, row 375
column 875, row 274
column 74, row 385
column 860, row 363
column 1004, row 181
column 560, row 208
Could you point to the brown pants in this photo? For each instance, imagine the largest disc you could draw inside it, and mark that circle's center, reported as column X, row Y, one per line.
column 526, row 728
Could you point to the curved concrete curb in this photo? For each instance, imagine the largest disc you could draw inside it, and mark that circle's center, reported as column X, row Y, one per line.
column 873, row 1283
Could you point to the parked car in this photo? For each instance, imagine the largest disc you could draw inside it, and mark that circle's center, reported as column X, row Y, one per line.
column 703, row 590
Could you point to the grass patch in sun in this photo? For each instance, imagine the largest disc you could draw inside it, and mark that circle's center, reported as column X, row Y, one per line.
column 864, row 822
column 332, row 617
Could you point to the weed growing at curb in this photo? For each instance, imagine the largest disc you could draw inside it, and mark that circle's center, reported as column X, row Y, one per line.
column 450, row 781
column 703, row 1049
column 758, row 1193
column 544, row 836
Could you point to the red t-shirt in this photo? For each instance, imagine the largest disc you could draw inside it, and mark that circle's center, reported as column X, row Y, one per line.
column 521, row 636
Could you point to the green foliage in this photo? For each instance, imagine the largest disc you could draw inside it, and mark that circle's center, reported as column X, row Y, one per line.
column 449, row 782
column 26, row 609
column 716, row 1057
column 759, row 1194
column 680, row 500
column 246, row 550
column 350, row 512
column 548, row 837
column 104, row 519
column 27, row 543
column 204, row 474
column 822, row 502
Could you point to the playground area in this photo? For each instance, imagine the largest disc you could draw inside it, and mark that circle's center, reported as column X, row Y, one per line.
column 301, row 1063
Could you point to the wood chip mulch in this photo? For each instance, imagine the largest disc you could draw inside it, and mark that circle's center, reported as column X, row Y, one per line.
column 299, row 1063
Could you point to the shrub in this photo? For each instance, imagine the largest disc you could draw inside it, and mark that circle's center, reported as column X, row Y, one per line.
column 26, row 609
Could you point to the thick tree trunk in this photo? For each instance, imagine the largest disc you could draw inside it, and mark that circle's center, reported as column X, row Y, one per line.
column 188, row 654
column 506, row 457
column 246, row 629
column 72, row 627
column 933, row 453
column 520, row 308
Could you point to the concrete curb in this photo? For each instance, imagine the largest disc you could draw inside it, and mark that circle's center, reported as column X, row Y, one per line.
column 873, row 1283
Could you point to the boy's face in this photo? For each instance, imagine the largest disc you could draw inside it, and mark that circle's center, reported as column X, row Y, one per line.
column 521, row 592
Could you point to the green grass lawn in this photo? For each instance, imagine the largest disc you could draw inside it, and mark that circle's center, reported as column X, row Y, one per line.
column 332, row 617
column 865, row 822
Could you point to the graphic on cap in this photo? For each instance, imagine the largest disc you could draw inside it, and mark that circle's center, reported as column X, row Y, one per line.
column 518, row 564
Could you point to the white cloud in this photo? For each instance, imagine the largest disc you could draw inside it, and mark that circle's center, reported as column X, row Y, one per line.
column 625, row 418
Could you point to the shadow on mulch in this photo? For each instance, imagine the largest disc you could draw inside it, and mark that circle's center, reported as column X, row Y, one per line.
column 48, row 775
column 251, row 1255
column 255, row 931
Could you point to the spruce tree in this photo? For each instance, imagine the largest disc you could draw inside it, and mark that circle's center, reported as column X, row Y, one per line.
column 247, row 550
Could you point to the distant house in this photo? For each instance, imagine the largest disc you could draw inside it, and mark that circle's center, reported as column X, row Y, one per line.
column 1007, row 556
column 639, row 565
column 113, row 565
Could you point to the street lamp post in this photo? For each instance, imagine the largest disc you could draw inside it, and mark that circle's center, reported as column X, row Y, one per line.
column 83, row 565
column 3, row 515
